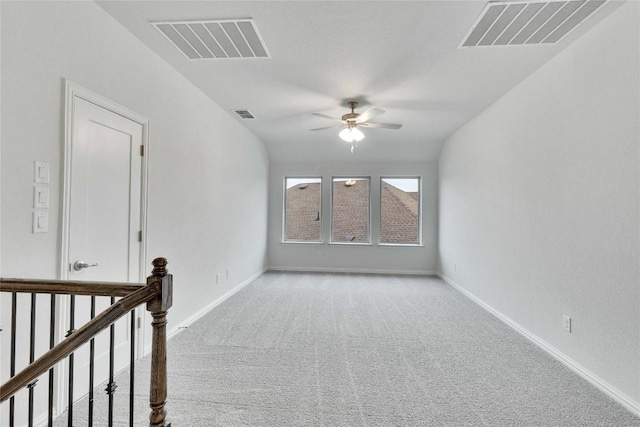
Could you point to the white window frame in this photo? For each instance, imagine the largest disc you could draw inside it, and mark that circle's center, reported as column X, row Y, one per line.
column 284, row 211
column 419, row 243
column 341, row 242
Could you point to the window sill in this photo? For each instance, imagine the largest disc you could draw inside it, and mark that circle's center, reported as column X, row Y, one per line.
column 301, row 242
column 402, row 245
column 351, row 243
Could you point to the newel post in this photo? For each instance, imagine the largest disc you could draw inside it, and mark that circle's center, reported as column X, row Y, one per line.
column 158, row 308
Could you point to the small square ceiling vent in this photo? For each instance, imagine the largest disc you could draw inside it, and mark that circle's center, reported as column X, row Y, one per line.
column 244, row 114
column 228, row 39
column 528, row 22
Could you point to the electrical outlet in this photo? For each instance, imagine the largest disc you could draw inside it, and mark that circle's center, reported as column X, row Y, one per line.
column 227, row 273
column 217, row 278
column 566, row 323
column 455, row 267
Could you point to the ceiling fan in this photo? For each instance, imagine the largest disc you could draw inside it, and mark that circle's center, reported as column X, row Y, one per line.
column 350, row 123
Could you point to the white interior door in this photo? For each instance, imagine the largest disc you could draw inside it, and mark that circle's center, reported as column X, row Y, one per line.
column 104, row 223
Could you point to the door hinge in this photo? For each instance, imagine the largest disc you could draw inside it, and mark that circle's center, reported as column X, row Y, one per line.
column 142, row 150
column 139, row 236
column 138, row 322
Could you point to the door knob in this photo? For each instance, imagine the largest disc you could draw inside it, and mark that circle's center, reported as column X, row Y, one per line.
column 79, row 265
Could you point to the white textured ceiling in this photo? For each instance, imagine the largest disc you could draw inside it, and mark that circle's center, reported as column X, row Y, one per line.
column 401, row 56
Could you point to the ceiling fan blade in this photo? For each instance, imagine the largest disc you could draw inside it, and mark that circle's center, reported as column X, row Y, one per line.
column 369, row 114
column 394, row 126
column 327, row 117
column 327, row 127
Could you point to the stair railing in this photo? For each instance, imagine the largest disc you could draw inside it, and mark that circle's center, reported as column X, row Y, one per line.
column 156, row 293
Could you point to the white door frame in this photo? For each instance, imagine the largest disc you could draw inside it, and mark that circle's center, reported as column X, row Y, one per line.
column 73, row 91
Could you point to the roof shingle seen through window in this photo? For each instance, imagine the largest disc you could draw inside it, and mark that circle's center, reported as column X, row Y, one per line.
column 303, row 212
column 398, row 216
column 350, row 222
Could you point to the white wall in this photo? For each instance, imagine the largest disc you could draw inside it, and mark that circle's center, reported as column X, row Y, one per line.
column 207, row 174
column 341, row 257
column 539, row 204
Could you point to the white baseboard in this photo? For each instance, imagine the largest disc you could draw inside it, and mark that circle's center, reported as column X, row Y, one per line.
column 604, row 386
column 355, row 270
column 43, row 420
column 197, row 315
column 194, row 317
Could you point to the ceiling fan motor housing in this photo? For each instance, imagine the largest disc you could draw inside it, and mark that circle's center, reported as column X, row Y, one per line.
column 351, row 117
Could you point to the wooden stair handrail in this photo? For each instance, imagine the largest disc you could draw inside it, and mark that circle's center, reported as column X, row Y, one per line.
column 68, row 287
column 81, row 336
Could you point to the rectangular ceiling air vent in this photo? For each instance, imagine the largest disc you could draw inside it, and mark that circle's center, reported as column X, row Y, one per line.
column 226, row 39
column 527, row 22
column 244, row 114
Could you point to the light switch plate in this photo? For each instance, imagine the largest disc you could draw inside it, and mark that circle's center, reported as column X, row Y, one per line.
column 41, row 172
column 40, row 197
column 40, row 222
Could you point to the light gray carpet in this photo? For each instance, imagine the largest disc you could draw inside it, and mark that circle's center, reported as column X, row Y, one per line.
column 299, row 349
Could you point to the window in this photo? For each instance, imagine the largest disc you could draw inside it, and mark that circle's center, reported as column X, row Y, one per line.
column 350, row 210
column 400, row 211
column 303, row 204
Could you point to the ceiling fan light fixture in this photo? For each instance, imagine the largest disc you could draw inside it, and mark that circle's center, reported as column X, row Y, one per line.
column 351, row 134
